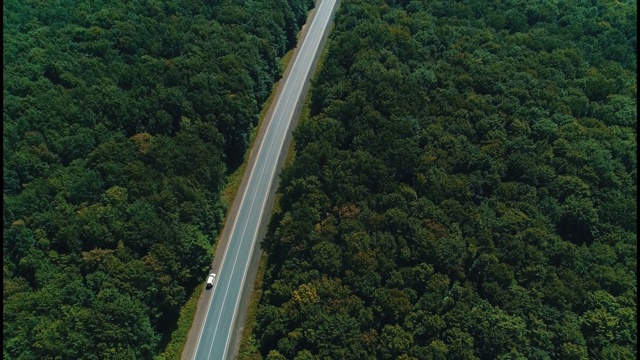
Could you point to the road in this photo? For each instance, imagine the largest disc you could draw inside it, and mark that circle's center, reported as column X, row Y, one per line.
column 218, row 325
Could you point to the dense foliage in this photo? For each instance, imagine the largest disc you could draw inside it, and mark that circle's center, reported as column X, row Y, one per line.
column 464, row 187
column 122, row 120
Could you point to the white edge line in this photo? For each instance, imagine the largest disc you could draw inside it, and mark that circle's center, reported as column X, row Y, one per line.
column 235, row 221
column 265, row 200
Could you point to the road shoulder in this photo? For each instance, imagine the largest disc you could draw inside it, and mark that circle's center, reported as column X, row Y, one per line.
column 223, row 242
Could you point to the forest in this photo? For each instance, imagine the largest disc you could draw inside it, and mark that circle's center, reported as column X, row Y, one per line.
column 122, row 121
column 464, row 187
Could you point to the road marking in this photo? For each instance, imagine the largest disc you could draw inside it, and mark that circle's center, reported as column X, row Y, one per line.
column 299, row 92
column 286, row 86
column 255, row 194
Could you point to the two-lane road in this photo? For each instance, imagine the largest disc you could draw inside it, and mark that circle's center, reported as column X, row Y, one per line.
column 217, row 329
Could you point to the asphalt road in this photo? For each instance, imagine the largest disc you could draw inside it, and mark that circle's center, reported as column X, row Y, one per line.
column 222, row 310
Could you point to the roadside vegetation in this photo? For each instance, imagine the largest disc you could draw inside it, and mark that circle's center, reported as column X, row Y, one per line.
column 464, row 187
column 122, row 122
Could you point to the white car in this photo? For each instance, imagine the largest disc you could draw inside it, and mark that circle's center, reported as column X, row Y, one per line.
column 211, row 279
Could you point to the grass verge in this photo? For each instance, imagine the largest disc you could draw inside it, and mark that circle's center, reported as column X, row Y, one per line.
column 248, row 343
column 174, row 348
column 233, row 184
column 249, row 346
